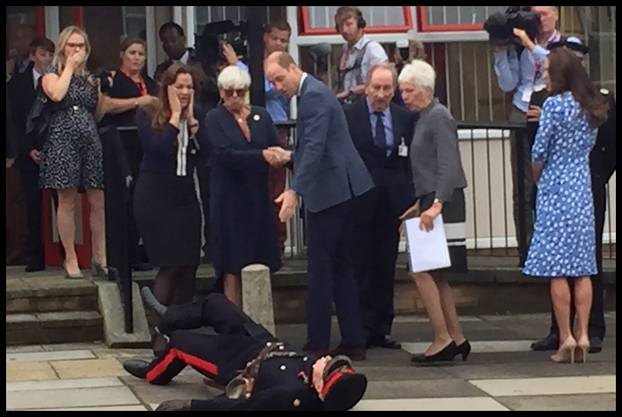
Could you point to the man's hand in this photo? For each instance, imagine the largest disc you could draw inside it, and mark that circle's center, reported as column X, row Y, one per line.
column 533, row 114
column 229, row 53
column 524, row 39
column 288, row 201
column 35, row 155
column 283, row 155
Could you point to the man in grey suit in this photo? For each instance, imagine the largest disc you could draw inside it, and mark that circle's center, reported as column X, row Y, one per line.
column 328, row 174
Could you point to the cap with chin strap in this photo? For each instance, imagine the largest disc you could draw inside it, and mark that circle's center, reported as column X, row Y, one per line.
column 343, row 387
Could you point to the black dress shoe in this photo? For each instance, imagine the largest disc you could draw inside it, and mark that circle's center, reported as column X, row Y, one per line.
column 34, row 267
column 464, row 349
column 136, row 367
column 384, row 342
column 174, row 405
column 596, row 345
column 356, row 354
column 444, row 355
column 144, row 266
column 550, row 342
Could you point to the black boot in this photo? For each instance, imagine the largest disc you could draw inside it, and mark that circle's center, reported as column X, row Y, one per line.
column 136, row 367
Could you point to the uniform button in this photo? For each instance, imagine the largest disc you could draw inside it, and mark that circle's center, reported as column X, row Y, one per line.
column 296, row 402
column 281, row 347
column 283, row 367
column 269, row 344
column 75, row 108
column 305, row 359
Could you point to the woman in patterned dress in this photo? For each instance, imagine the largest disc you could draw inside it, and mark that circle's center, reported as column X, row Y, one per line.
column 71, row 157
column 563, row 245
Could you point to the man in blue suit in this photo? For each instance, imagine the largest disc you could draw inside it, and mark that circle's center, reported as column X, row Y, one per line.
column 328, row 174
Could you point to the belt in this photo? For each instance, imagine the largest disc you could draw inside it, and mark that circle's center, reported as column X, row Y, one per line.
column 242, row 385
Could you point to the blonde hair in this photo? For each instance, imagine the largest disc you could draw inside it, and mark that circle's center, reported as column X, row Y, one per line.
column 59, row 55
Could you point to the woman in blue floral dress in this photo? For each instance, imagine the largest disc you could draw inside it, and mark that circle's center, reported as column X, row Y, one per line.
column 563, row 245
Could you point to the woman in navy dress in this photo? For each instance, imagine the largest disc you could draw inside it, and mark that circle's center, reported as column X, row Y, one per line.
column 242, row 141
column 563, row 245
column 165, row 202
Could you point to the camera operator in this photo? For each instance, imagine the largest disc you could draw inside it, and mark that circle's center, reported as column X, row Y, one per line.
column 520, row 73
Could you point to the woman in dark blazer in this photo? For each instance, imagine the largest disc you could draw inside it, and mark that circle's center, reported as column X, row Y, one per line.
column 439, row 180
column 130, row 90
column 242, row 141
column 165, row 202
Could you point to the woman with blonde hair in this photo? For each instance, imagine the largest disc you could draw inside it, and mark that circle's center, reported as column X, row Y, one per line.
column 71, row 158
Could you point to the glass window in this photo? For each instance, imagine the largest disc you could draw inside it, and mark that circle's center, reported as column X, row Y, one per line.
column 454, row 18
column 320, row 20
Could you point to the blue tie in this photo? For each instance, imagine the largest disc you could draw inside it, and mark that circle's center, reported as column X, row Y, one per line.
column 380, row 138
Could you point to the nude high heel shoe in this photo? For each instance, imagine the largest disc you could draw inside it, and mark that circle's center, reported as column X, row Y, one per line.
column 583, row 346
column 566, row 350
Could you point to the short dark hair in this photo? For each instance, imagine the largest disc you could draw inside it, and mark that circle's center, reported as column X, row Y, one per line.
column 279, row 24
column 169, row 26
column 43, row 43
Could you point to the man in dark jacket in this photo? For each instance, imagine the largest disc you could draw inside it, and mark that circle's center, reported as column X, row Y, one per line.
column 22, row 89
column 259, row 372
column 381, row 132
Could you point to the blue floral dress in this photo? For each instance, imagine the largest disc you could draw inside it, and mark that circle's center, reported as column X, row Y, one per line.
column 564, row 240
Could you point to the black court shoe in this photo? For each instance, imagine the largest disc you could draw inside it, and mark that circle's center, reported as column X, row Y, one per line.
column 463, row 349
column 445, row 355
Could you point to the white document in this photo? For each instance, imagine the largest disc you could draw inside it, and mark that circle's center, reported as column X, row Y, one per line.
column 427, row 250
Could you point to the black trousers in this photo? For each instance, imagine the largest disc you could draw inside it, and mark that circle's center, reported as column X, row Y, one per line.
column 374, row 252
column 29, row 178
column 233, row 340
column 596, row 326
column 329, row 234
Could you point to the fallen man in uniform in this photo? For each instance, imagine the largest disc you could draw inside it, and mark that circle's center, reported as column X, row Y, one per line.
column 259, row 372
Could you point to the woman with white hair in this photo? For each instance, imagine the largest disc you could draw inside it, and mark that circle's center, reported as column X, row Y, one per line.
column 439, row 180
column 243, row 143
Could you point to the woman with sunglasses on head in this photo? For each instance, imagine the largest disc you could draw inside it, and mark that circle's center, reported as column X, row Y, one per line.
column 243, row 143
column 165, row 202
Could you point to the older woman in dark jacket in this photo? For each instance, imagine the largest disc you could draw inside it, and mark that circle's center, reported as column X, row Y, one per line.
column 243, row 143
column 439, row 181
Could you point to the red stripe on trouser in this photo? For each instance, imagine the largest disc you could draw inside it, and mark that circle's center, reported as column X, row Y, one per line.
column 187, row 358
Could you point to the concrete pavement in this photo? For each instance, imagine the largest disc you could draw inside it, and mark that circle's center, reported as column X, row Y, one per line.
column 500, row 374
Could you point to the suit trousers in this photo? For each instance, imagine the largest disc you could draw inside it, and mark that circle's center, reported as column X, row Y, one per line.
column 277, row 177
column 528, row 208
column 29, row 176
column 596, row 326
column 329, row 234
column 374, row 251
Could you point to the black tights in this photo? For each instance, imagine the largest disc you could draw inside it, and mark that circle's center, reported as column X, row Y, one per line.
column 173, row 285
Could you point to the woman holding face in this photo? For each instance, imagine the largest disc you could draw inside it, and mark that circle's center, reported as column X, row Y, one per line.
column 165, row 203
column 71, row 157
column 243, row 143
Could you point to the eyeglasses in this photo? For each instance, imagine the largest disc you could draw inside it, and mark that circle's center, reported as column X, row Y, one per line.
column 76, row 45
column 240, row 92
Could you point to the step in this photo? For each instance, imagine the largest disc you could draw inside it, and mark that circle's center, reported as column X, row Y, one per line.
column 54, row 327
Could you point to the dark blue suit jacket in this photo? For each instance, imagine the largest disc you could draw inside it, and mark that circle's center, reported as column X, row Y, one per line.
column 327, row 168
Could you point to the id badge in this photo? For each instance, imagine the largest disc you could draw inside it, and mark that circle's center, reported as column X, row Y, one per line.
column 402, row 150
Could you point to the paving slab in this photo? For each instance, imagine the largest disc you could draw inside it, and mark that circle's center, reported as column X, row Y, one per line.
column 88, row 368
column 417, row 389
column 29, row 371
column 24, row 349
column 112, row 408
column 50, row 356
column 479, row 346
column 600, row 384
column 593, row 402
column 155, row 394
column 431, row 404
column 87, row 397
column 63, row 384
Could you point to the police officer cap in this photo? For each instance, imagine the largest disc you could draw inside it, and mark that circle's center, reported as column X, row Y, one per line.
column 573, row 43
column 343, row 387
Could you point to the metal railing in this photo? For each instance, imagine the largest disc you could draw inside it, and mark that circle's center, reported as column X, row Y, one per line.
column 490, row 224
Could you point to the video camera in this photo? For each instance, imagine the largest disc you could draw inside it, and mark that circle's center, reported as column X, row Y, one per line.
column 105, row 79
column 209, row 43
column 500, row 26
